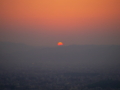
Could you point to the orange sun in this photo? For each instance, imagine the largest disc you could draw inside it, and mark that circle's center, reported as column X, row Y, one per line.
column 59, row 43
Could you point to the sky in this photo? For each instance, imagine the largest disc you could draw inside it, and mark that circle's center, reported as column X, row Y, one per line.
column 73, row 22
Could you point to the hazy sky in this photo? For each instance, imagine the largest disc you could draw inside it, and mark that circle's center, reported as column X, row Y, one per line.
column 46, row 22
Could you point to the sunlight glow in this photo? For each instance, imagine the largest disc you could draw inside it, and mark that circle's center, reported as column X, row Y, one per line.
column 60, row 44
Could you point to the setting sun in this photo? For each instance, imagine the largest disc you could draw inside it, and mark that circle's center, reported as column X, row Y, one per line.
column 59, row 43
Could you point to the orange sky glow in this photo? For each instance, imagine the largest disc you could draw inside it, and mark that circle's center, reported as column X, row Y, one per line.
column 69, row 18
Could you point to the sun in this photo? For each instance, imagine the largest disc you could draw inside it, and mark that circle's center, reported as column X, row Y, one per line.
column 60, row 43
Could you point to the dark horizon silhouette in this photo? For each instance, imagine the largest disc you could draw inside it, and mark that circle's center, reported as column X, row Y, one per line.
column 90, row 67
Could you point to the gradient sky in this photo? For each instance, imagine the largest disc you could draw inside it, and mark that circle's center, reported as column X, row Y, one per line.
column 46, row 22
